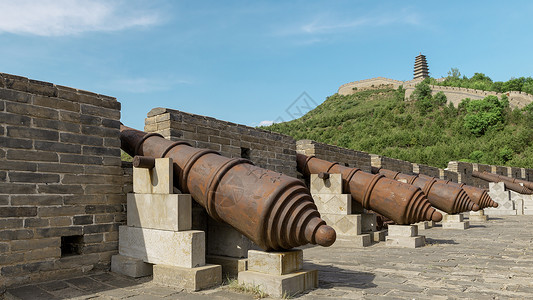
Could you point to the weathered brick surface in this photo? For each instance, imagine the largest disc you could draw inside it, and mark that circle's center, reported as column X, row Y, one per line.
column 266, row 149
column 331, row 153
column 58, row 145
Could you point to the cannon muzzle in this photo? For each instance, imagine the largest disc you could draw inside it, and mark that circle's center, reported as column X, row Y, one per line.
column 400, row 202
column 477, row 195
column 448, row 198
column 517, row 185
column 273, row 210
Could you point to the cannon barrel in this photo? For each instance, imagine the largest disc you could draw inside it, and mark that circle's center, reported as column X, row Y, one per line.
column 273, row 210
column 400, row 202
column 519, row 186
column 448, row 198
column 477, row 195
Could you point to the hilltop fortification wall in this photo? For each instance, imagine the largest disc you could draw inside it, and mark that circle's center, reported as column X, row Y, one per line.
column 456, row 94
column 453, row 94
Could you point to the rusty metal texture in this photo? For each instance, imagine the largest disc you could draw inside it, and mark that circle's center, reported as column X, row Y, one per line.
column 273, row 210
column 519, row 186
column 143, row 162
column 448, row 198
column 400, row 202
column 477, row 195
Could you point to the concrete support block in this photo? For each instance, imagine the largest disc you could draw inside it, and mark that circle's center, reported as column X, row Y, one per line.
column 455, row 221
column 456, row 225
column 519, row 206
column 158, row 180
column 333, row 203
column 281, row 285
column 368, row 222
column 224, row 240
column 231, row 266
column 190, row 279
column 405, row 236
column 160, row 211
column 275, row 263
column 431, row 224
column 378, row 236
column 176, row 248
column 406, row 242
column 422, row 225
column 500, row 212
column 332, row 185
column 528, row 211
column 278, row 274
column 453, row 218
column 129, row 266
column 477, row 216
column 344, row 224
column 403, row 230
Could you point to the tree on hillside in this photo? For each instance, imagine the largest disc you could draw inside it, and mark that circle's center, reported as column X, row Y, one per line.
column 483, row 114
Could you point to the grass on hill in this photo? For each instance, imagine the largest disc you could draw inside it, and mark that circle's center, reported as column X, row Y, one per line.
column 424, row 130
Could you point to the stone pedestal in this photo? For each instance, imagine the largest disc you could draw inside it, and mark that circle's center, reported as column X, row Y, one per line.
column 498, row 193
column 528, row 205
column 455, row 221
column 278, row 274
column 129, row 266
column 159, row 232
column 422, row 225
column 477, row 216
column 342, row 213
column 228, row 248
column 405, row 236
column 190, row 279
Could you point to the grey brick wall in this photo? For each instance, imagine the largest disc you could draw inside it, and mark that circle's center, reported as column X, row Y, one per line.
column 270, row 150
column 332, row 153
column 60, row 175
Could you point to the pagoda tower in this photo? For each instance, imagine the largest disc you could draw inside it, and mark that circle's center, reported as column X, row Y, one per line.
column 421, row 67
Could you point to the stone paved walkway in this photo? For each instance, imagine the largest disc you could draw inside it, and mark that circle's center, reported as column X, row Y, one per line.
column 492, row 260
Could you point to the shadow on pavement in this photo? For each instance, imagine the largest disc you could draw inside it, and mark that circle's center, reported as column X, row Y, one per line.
column 439, row 242
column 331, row 276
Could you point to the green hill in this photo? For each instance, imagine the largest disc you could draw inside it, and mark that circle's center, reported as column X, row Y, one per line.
column 424, row 130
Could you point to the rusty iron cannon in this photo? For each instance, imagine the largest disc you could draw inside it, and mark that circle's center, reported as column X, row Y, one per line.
column 273, row 210
column 400, row 202
column 477, row 195
column 517, row 185
column 448, row 198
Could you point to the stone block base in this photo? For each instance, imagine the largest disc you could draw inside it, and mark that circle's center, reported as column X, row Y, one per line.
column 477, row 216
column 501, row 212
column 406, row 241
column 344, row 224
column 456, row 225
column 528, row 211
column 377, row 236
column 362, row 240
column 422, row 225
column 281, row 285
column 129, row 266
column 190, row 279
column 178, row 248
column 231, row 266
column 405, row 236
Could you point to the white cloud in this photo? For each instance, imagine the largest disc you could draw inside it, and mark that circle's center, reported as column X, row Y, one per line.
column 266, row 123
column 70, row 17
column 328, row 24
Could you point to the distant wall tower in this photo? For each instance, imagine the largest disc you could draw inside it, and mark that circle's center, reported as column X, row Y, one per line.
column 421, row 67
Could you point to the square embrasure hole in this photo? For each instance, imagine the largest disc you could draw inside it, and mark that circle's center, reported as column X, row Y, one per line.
column 71, row 245
column 246, row 153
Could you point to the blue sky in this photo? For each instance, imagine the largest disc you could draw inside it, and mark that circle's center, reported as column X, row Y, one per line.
column 247, row 61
